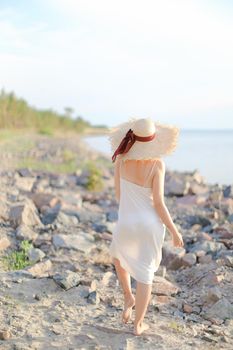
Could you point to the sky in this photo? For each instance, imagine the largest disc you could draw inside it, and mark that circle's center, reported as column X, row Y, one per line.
column 171, row 60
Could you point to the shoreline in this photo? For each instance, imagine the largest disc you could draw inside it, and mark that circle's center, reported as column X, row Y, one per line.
column 177, row 162
column 24, row 142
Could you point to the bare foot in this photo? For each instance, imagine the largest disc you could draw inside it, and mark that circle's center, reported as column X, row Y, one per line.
column 140, row 328
column 129, row 303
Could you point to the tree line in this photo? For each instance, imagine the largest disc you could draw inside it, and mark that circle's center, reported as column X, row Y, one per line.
column 17, row 113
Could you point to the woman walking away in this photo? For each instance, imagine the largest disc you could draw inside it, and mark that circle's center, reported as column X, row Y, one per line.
column 136, row 246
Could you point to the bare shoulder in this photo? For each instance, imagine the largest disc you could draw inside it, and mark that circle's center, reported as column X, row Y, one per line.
column 160, row 164
column 118, row 161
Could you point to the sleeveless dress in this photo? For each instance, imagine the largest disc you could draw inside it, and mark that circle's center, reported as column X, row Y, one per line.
column 138, row 235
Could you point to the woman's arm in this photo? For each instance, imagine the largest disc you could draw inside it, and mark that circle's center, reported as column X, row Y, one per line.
column 117, row 178
column 159, row 204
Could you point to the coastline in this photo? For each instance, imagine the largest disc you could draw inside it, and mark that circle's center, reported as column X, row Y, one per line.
column 195, row 152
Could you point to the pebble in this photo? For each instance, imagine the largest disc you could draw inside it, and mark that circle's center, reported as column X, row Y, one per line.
column 93, row 298
column 35, row 255
column 187, row 308
column 5, row 335
column 214, row 294
column 67, row 279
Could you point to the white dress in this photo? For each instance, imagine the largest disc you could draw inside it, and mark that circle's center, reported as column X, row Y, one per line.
column 139, row 233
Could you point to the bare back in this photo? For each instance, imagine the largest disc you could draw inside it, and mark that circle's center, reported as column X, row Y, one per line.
column 140, row 172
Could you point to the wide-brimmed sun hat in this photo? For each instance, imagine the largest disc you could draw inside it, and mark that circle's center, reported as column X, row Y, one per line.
column 142, row 138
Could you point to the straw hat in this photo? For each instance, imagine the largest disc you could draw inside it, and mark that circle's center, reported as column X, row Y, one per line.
column 143, row 139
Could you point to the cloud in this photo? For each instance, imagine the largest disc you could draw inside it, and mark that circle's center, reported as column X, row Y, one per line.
column 117, row 58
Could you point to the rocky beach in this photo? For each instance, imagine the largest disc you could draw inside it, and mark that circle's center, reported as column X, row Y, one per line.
column 59, row 288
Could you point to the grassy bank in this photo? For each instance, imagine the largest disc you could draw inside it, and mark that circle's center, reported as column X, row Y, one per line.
column 16, row 113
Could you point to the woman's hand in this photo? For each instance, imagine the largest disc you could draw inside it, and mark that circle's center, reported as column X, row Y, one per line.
column 177, row 240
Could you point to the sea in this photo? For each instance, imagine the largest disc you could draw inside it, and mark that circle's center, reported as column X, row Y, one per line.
column 208, row 151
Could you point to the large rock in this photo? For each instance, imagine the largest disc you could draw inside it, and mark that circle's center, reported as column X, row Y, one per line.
column 41, row 269
column 35, row 255
column 161, row 286
column 171, row 255
column 81, row 241
column 44, row 199
column 58, row 181
column 56, row 216
column 196, row 176
column 110, row 226
column 82, row 179
column 99, row 228
column 24, row 183
column 224, row 231
column 25, row 213
column 203, row 236
column 67, row 279
column 24, row 172
column 4, row 210
column 24, row 232
column 208, row 246
column 227, row 206
column 109, row 278
column 49, row 214
column 228, row 191
column 86, row 216
column 188, row 260
column 189, row 200
column 41, row 184
column 228, row 260
column 69, row 201
column 101, row 255
column 222, row 309
column 63, row 219
column 205, row 259
column 176, row 187
column 18, row 275
column 112, row 215
column 198, row 219
column 107, row 227
column 196, row 188
column 4, row 243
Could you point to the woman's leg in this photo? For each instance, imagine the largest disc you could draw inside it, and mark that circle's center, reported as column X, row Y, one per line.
column 124, row 279
column 143, row 294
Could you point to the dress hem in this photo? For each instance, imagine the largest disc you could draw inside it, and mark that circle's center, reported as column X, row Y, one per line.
column 126, row 267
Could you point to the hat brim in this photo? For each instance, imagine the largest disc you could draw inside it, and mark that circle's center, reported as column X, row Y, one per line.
column 164, row 143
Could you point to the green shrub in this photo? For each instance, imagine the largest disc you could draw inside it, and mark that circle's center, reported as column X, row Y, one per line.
column 68, row 155
column 177, row 327
column 17, row 260
column 94, row 182
column 61, row 168
column 45, row 130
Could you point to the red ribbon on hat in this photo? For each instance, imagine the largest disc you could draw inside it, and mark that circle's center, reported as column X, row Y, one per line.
column 128, row 141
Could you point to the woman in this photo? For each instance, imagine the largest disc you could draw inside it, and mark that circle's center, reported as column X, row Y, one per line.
column 138, row 236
